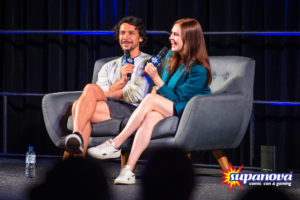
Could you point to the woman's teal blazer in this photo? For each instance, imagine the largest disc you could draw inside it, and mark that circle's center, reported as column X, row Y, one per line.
column 182, row 86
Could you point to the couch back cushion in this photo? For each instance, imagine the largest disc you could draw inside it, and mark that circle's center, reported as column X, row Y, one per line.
column 231, row 74
column 227, row 72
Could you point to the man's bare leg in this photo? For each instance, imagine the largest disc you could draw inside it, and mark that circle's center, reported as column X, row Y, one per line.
column 86, row 133
column 86, row 105
column 89, row 108
column 102, row 113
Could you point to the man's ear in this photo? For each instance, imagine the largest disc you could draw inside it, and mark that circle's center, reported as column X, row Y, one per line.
column 140, row 39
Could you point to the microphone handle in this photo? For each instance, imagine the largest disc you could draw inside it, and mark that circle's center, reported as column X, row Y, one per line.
column 129, row 76
column 127, row 56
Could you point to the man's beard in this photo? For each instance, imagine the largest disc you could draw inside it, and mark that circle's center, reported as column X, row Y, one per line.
column 132, row 47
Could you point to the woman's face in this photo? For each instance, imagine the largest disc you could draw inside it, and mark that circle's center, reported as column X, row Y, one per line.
column 176, row 39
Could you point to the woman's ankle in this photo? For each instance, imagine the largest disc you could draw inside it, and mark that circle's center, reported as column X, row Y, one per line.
column 114, row 143
column 128, row 167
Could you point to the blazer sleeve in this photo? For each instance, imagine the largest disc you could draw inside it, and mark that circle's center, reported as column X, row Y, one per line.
column 194, row 84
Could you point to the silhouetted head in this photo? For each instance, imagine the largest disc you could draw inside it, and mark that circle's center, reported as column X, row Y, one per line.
column 168, row 175
column 74, row 178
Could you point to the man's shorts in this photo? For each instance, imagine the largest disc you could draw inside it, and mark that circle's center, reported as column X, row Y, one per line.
column 119, row 109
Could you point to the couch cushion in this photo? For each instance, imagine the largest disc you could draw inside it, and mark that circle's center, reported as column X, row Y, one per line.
column 165, row 128
column 109, row 127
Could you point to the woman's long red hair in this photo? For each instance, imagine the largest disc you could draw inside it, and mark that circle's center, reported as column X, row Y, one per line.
column 194, row 49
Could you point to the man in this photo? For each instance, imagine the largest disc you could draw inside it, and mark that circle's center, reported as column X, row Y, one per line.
column 114, row 95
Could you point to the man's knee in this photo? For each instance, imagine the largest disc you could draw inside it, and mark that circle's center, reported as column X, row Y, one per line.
column 93, row 90
column 91, row 87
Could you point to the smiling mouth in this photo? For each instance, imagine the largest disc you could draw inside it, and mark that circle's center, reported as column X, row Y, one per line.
column 173, row 43
column 126, row 42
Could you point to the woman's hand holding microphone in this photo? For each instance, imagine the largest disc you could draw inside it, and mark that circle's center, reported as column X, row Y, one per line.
column 152, row 72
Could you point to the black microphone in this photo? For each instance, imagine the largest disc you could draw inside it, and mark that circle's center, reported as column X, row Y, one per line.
column 156, row 60
column 127, row 59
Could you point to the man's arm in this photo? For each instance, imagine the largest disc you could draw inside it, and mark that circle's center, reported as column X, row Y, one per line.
column 116, row 89
column 134, row 92
column 117, row 94
column 118, row 85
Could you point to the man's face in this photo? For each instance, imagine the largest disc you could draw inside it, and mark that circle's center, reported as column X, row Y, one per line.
column 129, row 37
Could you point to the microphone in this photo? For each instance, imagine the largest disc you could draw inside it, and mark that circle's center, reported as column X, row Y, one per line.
column 127, row 59
column 156, row 60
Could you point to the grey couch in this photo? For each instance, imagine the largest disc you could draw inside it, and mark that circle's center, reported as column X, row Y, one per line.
column 210, row 122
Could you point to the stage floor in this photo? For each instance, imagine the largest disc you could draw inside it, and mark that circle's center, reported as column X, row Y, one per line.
column 14, row 185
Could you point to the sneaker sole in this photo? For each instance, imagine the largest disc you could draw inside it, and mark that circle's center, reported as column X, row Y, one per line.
column 73, row 144
column 123, row 182
column 101, row 157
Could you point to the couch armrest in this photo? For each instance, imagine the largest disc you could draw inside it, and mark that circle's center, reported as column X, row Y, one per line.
column 56, row 109
column 211, row 122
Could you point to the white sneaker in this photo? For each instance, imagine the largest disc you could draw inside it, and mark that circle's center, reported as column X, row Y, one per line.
column 105, row 150
column 126, row 176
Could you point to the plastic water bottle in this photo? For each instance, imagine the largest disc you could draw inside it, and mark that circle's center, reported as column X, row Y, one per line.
column 30, row 163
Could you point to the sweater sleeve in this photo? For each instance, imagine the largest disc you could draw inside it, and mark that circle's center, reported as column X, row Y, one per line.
column 103, row 77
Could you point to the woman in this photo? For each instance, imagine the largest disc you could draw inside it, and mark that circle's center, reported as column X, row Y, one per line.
column 186, row 74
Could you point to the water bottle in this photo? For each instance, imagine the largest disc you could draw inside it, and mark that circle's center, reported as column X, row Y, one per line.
column 30, row 163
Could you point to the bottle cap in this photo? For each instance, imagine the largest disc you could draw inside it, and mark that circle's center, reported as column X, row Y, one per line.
column 30, row 147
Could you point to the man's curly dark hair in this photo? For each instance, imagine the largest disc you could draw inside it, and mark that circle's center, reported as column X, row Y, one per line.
column 134, row 21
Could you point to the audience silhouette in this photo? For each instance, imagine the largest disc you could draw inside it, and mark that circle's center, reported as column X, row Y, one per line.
column 73, row 178
column 168, row 175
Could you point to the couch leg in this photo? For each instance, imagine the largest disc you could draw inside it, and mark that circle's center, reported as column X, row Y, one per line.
column 124, row 158
column 222, row 159
column 66, row 155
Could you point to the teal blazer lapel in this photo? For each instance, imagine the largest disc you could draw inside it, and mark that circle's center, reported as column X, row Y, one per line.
column 176, row 76
column 165, row 75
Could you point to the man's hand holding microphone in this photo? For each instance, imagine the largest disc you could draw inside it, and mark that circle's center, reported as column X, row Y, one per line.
column 127, row 66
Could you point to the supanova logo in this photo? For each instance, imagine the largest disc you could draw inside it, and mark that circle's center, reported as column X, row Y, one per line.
column 261, row 177
column 234, row 177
